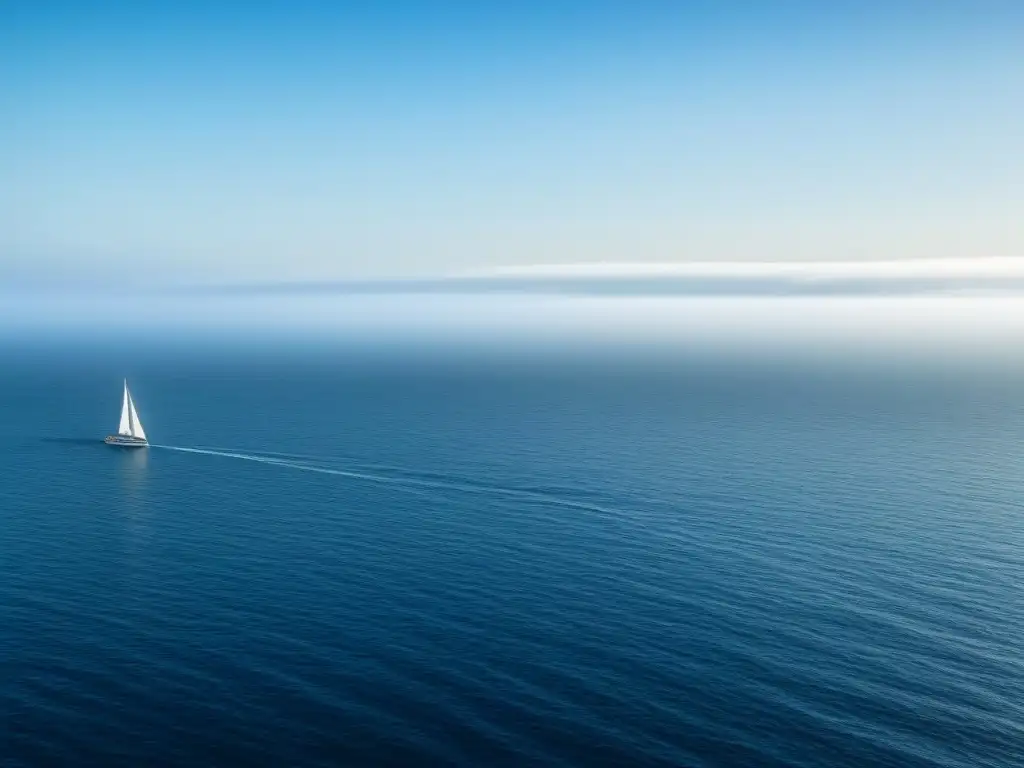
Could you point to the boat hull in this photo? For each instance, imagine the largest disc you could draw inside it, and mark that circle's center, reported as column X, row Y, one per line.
column 126, row 441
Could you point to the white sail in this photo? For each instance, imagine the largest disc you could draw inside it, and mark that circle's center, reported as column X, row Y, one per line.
column 125, row 427
column 133, row 416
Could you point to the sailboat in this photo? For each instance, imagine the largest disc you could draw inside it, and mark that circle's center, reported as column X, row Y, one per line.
column 129, row 432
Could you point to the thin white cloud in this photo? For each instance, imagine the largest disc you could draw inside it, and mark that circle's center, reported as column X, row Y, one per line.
column 894, row 276
column 1010, row 267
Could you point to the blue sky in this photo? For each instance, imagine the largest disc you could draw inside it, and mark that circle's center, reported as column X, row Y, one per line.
column 317, row 141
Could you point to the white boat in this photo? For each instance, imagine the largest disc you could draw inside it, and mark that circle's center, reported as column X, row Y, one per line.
column 130, row 433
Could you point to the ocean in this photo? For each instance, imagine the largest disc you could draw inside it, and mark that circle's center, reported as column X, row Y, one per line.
column 331, row 556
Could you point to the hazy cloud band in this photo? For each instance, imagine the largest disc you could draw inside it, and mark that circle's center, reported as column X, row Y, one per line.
column 865, row 278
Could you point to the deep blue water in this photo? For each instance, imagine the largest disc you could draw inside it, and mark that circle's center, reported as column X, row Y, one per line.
column 432, row 560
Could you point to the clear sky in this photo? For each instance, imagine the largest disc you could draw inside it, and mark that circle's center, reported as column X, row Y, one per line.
column 303, row 140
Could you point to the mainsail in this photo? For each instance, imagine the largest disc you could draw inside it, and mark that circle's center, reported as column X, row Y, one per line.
column 130, row 424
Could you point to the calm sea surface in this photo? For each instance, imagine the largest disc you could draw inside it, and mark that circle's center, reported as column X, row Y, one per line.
column 329, row 558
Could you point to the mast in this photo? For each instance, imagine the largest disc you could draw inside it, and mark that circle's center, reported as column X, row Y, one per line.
column 130, row 425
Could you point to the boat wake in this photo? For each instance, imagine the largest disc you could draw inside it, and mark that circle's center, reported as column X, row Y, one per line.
column 410, row 483
column 281, row 462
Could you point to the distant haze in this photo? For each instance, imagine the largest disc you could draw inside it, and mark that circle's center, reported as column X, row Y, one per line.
column 241, row 143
